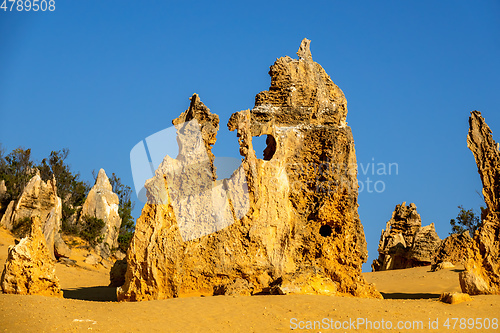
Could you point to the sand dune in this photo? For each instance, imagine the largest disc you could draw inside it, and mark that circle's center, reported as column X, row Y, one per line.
column 411, row 300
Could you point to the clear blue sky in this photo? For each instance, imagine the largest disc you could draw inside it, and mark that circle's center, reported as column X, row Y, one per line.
column 99, row 76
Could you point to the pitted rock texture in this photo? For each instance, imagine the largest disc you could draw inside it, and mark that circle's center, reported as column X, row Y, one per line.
column 38, row 198
column 102, row 203
column 308, row 281
column 291, row 212
column 29, row 269
column 405, row 243
column 482, row 259
column 454, row 298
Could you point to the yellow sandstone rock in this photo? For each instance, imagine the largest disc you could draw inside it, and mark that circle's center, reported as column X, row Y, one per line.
column 292, row 212
column 482, row 258
column 39, row 198
column 29, row 269
column 454, row 298
column 102, row 203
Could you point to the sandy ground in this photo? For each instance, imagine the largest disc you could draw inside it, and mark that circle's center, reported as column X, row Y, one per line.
column 411, row 300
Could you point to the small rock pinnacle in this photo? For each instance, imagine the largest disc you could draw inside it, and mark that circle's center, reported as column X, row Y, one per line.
column 304, row 52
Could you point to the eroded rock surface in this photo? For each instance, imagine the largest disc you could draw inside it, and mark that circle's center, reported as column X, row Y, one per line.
column 29, row 269
column 453, row 250
column 293, row 211
column 38, row 198
column 308, row 282
column 102, row 203
column 404, row 243
column 482, row 260
column 454, row 298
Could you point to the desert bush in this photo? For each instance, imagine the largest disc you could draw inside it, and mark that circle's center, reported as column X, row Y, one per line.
column 466, row 220
column 92, row 229
column 70, row 188
column 16, row 169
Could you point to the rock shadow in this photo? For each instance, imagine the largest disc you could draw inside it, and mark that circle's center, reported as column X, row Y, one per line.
column 409, row 295
column 96, row 294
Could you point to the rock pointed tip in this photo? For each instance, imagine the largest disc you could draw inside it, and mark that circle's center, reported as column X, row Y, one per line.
column 102, row 177
column 194, row 98
column 304, row 51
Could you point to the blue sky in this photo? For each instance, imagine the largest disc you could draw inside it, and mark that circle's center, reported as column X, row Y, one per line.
column 99, row 76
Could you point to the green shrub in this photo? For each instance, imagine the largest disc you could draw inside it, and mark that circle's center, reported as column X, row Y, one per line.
column 92, row 229
column 466, row 220
column 124, row 240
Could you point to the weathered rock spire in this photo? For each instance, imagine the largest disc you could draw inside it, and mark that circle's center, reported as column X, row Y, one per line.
column 304, row 51
column 102, row 203
column 482, row 262
column 29, row 269
column 39, row 198
column 301, row 231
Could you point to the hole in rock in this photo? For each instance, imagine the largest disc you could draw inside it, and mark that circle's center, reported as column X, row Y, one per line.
column 227, row 153
column 266, row 145
column 325, row 230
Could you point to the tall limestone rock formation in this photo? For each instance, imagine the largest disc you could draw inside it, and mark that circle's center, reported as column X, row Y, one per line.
column 285, row 223
column 102, row 203
column 405, row 243
column 3, row 190
column 3, row 198
column 482, row 263
column 29, row 269
column 38, row 198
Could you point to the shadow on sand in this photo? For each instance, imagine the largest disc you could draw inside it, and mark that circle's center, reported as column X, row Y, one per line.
column 97, row 294
column 409, row 295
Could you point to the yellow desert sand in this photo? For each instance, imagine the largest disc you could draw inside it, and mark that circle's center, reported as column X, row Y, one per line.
column 412, row 299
